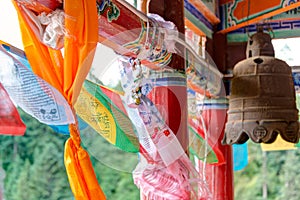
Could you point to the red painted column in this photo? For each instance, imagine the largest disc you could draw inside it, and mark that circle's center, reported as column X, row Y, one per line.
column 219, row 177
column 173, row 11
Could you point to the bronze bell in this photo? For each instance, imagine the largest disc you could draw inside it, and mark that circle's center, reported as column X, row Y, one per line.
column 262, row 102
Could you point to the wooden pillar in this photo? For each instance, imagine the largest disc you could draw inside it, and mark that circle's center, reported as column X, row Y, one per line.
column 221, row 177
column 217, row 49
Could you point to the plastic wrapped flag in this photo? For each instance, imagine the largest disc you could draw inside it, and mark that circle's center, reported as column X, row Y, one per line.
column 10, row 121
column 207, row 120
column 197, row 148
column 19, row 55
column 164, row 171
column 15, row 52
column 33, row 94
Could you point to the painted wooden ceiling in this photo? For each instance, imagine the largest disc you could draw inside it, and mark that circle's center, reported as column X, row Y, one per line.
column 239, row 18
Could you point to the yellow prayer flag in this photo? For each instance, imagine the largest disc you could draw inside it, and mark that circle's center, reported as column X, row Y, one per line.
column 277, row 145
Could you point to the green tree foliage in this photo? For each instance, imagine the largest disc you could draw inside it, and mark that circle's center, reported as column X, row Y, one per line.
column 21, row 189
column 275, row 166
column 35, row 169
column 47, row 170
column 247, row 182
column 34, row 164
column 290, row 177
column 12, row 175
column 117, row 184
column 281, row 175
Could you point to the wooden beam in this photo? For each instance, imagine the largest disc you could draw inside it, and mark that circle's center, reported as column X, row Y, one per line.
column 221, row 2
column 193, row 27
column 259, row 17
column 207, row 13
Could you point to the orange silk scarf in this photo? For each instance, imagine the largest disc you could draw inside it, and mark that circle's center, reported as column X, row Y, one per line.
column 67, row 73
